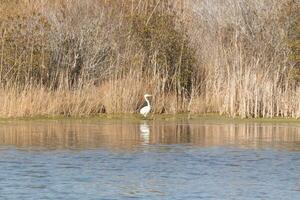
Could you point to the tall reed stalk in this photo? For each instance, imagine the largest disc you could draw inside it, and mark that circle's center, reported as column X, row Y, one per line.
column 82, row 58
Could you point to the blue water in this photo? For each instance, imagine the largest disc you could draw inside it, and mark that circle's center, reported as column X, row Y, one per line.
column 157, row 170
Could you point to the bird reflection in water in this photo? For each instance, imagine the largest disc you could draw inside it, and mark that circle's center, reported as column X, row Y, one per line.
column 145, row 132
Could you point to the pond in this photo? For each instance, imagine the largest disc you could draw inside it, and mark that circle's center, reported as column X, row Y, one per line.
column 153, row 159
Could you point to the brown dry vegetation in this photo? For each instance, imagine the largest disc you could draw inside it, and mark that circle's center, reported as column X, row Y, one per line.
column 81, row 58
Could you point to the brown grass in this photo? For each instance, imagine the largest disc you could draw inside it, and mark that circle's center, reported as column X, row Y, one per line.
column 82, row 58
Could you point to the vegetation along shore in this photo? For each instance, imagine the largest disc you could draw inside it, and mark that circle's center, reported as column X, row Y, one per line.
column 75, row 58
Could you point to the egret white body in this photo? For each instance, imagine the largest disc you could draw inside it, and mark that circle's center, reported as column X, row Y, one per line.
column 145, row 110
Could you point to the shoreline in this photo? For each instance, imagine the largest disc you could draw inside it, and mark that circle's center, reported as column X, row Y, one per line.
column 210, row 117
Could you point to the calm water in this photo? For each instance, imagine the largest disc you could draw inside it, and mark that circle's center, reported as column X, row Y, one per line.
column 149, row 160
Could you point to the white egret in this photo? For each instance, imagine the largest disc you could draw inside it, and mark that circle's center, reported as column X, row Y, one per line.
column 145, row 110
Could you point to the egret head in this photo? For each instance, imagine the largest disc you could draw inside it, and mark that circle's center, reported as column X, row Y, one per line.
column 147, row 95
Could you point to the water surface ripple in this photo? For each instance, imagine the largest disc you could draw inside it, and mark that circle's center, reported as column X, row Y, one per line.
column 149, row 160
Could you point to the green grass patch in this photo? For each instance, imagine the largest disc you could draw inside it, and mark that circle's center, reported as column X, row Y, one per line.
column 207, row 118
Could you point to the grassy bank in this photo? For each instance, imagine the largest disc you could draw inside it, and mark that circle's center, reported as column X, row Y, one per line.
column 198, row 118
column 88, row 58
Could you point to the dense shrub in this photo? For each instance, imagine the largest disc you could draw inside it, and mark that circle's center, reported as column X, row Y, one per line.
column 294, row 44
column 166, row 48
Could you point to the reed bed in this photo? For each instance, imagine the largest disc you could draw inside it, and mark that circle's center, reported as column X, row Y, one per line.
column 83, row 58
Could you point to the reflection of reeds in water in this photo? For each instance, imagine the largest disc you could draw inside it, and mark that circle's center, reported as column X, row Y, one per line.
column 251, row 135
column 68, row 135
column 128, row 135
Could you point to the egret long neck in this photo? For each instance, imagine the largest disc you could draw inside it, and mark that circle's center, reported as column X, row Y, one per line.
column 148, row 103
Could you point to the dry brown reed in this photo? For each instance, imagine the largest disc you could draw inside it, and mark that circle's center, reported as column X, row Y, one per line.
column 82, row 58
